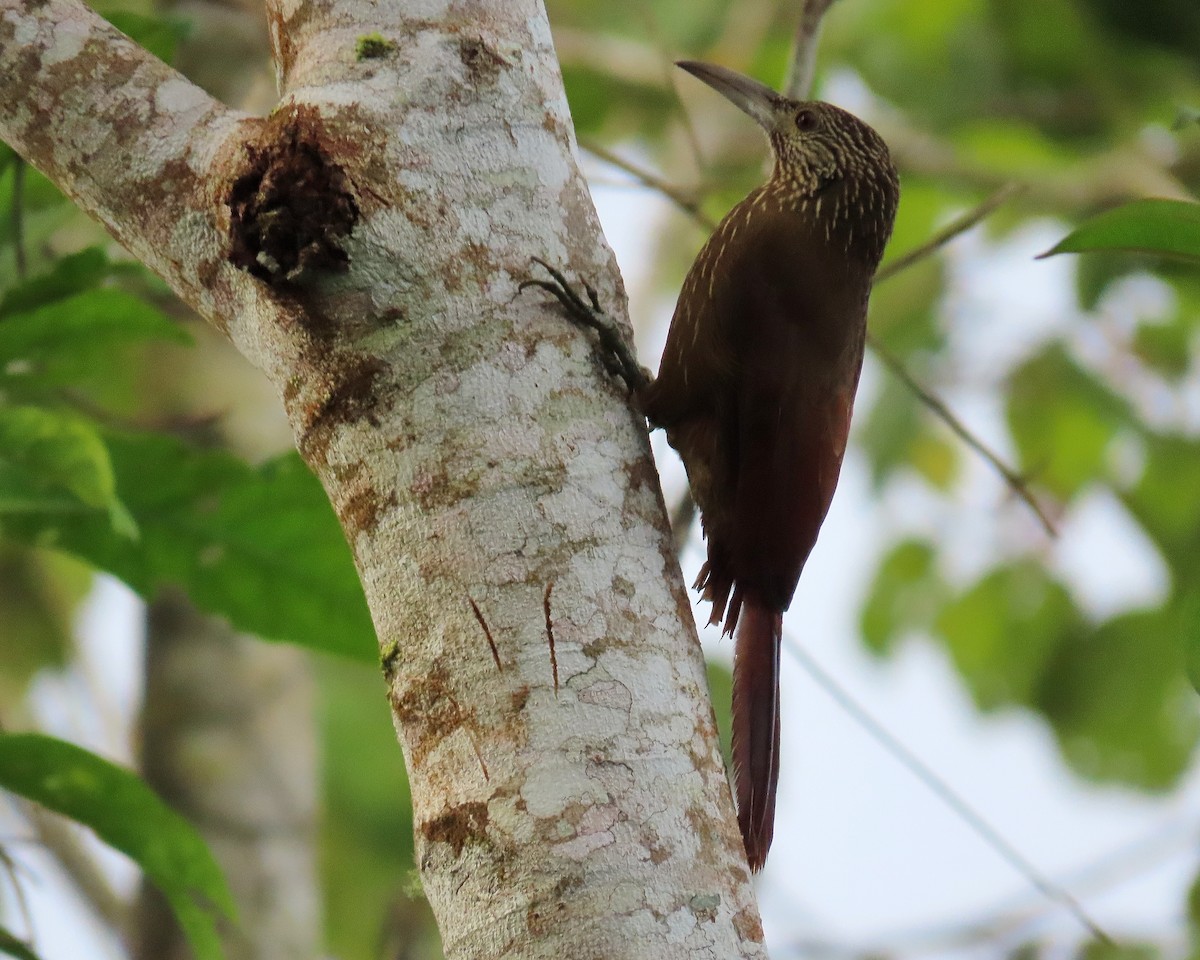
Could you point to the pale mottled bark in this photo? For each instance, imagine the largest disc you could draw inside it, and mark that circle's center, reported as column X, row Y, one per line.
column 499, row 496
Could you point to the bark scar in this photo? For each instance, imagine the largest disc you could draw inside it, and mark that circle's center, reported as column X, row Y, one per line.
column 486, row 632
column 479, row 756
column 292, row 206
column 351, row 394
column 466, row 728
column 550, row 634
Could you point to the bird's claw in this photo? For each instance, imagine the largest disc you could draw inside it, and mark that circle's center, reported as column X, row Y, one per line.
column 616, row 353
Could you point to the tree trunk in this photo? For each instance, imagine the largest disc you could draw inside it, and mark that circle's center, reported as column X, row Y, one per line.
column 498, row 493
column 228, row 740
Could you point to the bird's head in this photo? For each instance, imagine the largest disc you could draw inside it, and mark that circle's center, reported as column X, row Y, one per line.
column 815, row 143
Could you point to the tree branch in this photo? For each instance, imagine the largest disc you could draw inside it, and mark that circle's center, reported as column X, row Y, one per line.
column 445, row 419
column 122, row 134
column 804, row 48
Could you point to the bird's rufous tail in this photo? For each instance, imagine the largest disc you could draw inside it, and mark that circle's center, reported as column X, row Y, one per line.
column 756, row 724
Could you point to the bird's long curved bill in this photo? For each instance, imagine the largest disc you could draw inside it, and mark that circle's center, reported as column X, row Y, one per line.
column 748, row 95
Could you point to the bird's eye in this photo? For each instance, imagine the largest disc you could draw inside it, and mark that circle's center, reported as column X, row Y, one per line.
column 806, row 121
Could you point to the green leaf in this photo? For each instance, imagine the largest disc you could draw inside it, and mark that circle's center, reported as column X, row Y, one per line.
column 935, row 458
column 12, row 946
column 1100, row 950
column 1004, row 631
column 890, row 429
column 51, row 461
column 1189, row 613
column 1186, row 117
column 1014, row 146
column 1165, row 227
column 1165, row 503
column 1025, row 951
column 258, row 545
column 64, row 340
column 1115, row 695
column 897, row 433
column 598, row 99
column 904, row 305
column 905, row 595
column 1167, row 347
column 1063, row 420
column 159, row 35
column 127, row 815
column 1097, row 272
column 69, row 275
column 1193, row 907
column 39, row 595
column 1119, row 700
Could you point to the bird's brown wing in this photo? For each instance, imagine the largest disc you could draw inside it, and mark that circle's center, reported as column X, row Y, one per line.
column 791, row 436
column 698, row 360
column 800, row 319
column 798, row 356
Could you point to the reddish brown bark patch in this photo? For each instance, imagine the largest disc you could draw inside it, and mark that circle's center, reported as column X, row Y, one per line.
column 429, row 712
column 458, row 826
column 352, row 394
column 292, row 205
column 362, row 512
column 482, row 62
column 748, row 926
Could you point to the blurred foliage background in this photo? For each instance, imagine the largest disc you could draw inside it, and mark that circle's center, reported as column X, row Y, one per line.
column 126, row 443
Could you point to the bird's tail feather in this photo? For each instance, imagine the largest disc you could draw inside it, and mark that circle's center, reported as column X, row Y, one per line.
column 756, row 724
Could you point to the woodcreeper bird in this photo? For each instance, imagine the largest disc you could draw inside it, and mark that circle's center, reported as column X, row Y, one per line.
column 757, row 383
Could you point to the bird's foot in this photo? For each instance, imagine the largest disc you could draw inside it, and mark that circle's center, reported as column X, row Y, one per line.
column 616, row 352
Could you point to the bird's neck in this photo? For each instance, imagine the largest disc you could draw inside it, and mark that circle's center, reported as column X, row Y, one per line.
column 851, row 212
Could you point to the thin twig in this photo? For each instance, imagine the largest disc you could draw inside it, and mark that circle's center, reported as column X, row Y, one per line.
column 942, row 790
column 955, row 227
column 804, row 50
column 58, row 837
column 1126, row 171
column 670, row 74
column 13, row 870
column 687, row 201
column 1015, row 482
